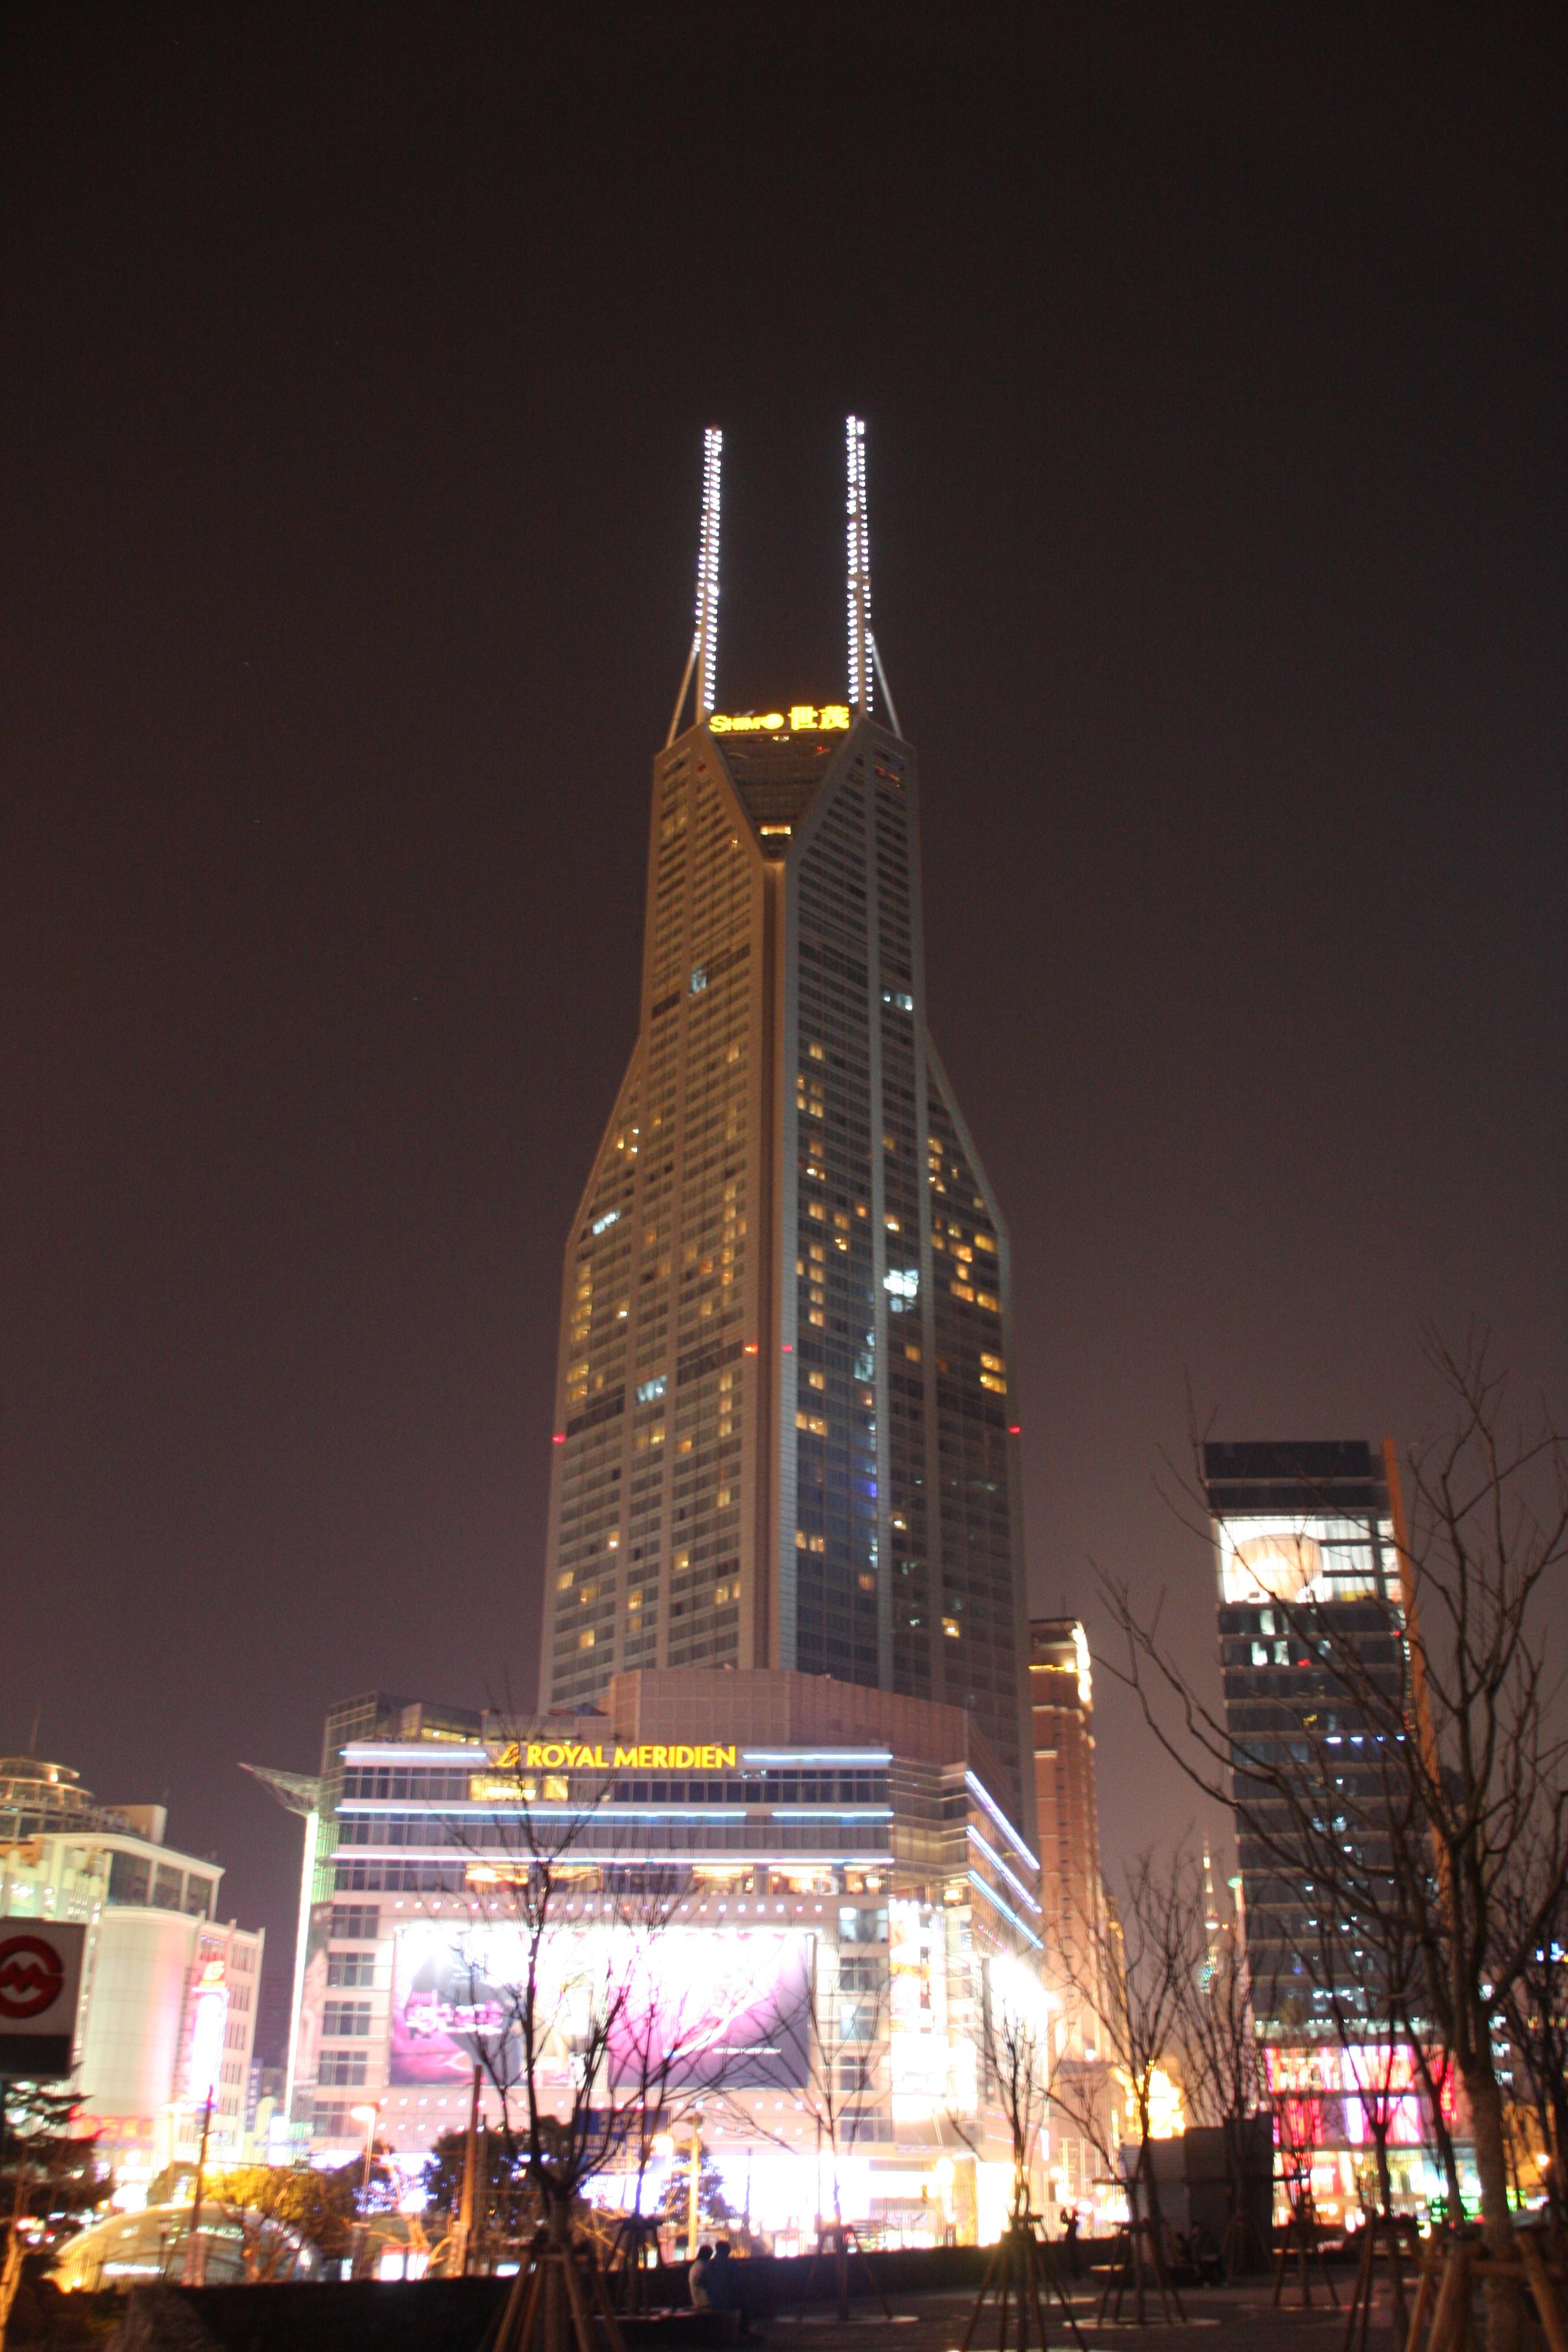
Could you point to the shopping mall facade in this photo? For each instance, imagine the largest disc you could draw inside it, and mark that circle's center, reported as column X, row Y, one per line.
column 828, row 1862
column 169, row 1991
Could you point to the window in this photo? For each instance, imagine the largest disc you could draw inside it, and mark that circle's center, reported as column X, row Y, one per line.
column 816, row 1379
column 813, row 1422
column 351, row 2018
column 586, row 1641
column 351, row 1967
column 341, row 2066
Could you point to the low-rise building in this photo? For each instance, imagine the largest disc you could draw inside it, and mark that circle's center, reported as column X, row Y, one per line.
column 833, row 1856
column 169, row 1991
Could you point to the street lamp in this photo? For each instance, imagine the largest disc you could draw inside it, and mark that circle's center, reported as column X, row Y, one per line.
column 369, row 2117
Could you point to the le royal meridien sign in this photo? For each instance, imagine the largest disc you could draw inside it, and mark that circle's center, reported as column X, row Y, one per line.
column 801, row 718
column 580, row 1756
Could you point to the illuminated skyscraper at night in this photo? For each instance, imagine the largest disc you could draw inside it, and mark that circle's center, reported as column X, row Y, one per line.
column 784, row 1415
column 1309, row 1574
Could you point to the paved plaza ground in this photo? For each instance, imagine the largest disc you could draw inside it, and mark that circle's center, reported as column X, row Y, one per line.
column 1238, row 2319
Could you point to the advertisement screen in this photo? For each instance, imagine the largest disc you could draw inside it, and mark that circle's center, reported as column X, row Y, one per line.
column 676, row 2010
column 1304, row 1561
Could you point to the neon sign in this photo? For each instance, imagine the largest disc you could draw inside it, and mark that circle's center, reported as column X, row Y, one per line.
column 579, row 1756
column 803, row 718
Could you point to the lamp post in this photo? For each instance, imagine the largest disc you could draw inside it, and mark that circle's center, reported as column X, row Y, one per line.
column 368, row 2117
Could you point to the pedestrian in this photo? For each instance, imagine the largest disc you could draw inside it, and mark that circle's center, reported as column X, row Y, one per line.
column 700, row 2280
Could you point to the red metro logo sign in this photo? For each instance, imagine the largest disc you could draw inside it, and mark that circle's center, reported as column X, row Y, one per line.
column 40, row 1982
column 32, row 1978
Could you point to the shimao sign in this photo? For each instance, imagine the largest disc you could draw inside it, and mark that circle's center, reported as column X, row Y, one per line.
column 40, row 1983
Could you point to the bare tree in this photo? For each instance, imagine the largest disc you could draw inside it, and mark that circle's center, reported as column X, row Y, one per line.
column 1149, row 1947
column 1455, row 1824
column 1217, row 2045
column 588, row 2037
column 1021, row 2050
column 1536, row 2014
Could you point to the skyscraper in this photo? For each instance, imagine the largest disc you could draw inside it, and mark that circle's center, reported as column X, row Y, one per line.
column 1066, row 1814
column 784, row 1431
column 1308, row 1573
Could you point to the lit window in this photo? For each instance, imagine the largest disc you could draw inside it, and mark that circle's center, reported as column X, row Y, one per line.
column 816, row 1379
column 813, row 1422
column 993, row 1363
column 952, row 1629
column 912, row 1353
column 867, row 1583
column 815, row 1209
column 986, row 1300
column 564, row 1582
column 989, row 1380
column 962, row 1290
column 585, row 1640
column 725, row 1498
column 816, row 1053
column 892, row 1224
column 634, row 1601
column 649, row 1390
column 984, row 1242
column 817, row 1318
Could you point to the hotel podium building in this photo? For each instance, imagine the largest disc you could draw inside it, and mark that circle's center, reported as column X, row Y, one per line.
column 834, row 1855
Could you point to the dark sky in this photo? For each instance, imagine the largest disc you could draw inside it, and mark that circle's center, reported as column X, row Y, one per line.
column 354, row 367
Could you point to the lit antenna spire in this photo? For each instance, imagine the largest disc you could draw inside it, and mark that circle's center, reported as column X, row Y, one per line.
column 703, row 656
column 708, row 572
column 860, row 589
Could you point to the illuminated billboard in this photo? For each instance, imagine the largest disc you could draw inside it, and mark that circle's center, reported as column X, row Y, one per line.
column 1340, row 2084
column 676, row 2010
column 209, row 2020
column 1322, row 1557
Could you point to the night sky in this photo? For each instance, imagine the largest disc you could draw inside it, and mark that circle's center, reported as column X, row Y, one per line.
column 354, row 367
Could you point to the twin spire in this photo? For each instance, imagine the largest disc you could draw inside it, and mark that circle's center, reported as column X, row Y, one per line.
column 865, row 661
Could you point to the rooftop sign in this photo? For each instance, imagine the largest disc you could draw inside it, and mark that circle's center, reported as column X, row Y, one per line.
column 802, row 719
column 578, row 1755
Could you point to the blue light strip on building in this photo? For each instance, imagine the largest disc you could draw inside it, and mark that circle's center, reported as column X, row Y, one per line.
column 1000, row 1818
column 995, row 1859
column 820, row 1814
column 865, row 1758
column 1006, row 1909
column 415, row 1756
column 483, row 1812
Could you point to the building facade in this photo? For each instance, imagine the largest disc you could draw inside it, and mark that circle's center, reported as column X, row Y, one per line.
column 836, row 1851
column 1067, row 1821
column 168, row 1992
column 785, row 1433
column 1309, row 1575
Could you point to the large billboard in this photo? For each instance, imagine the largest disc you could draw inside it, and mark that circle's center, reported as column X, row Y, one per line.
column 1320, row 1556
column 675, row 2009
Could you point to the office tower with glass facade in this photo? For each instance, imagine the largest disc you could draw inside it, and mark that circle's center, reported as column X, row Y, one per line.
column 784, row 1431
column 1308, row 1569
